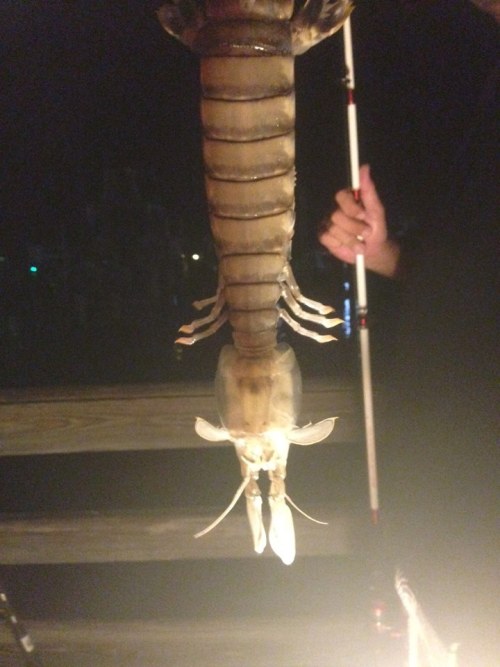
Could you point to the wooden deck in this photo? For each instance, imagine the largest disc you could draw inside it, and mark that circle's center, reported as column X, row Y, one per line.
column 140, row 537
column 306, row 641
column 135, row 417
column 67, row 421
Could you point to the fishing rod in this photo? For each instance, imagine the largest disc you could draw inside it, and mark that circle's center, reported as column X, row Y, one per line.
column 20, row 634
column 361, row 293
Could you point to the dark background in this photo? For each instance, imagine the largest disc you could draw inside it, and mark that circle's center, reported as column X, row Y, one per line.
column 102, row 186
column 102, row 191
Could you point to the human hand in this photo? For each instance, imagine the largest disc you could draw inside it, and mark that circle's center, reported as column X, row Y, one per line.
column 361, row 227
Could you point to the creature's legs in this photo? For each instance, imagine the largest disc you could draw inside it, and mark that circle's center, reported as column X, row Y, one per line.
column 320, row 338
column 294, row 305
column 290, row 281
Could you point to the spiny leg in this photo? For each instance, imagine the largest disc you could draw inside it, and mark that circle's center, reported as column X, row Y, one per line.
column 295, row 307
column 204, row 334
column 319, row 338
column 213, row 315
column 200, row 304
column 289, row 279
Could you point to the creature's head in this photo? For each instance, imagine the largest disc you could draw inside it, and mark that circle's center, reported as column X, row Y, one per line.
column 267, row 451
column 264, row 451
column 307, row 435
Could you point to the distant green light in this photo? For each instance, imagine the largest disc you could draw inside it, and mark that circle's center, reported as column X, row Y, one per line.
column 33, row 269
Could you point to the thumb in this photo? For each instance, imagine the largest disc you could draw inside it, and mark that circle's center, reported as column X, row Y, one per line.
column 369, row 195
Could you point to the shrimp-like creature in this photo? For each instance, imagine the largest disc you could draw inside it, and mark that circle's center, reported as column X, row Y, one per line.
column 247, row 50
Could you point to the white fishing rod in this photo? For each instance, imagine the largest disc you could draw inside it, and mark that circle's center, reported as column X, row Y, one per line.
column 361, row 294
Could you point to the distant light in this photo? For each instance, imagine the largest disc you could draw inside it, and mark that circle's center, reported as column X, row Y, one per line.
column 347, row 318
column 195, row 256
column 33, row 269
column 347, row 310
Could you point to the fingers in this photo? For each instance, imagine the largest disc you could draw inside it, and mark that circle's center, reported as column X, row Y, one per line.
column 360, row 227
column 348, row 205
column 345, row 229
column 356, row 226
column 372, row 205
column 342, row 238
column 334, row 246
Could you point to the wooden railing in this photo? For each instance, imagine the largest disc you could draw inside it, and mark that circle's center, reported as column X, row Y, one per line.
column 39, row 422
column 136, row 417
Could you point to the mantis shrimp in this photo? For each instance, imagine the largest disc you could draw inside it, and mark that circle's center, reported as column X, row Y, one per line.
column 247, row 50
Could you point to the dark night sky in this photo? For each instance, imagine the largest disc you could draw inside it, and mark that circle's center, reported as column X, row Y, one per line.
column 94, row 87
column 93, row 83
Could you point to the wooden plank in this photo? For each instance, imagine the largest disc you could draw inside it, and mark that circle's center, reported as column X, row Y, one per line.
column 309, row 640
column 149, row 536
column 136, row 417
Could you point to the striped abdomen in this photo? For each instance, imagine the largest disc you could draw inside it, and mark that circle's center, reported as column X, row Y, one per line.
column 248, row 115
column 247, row 51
